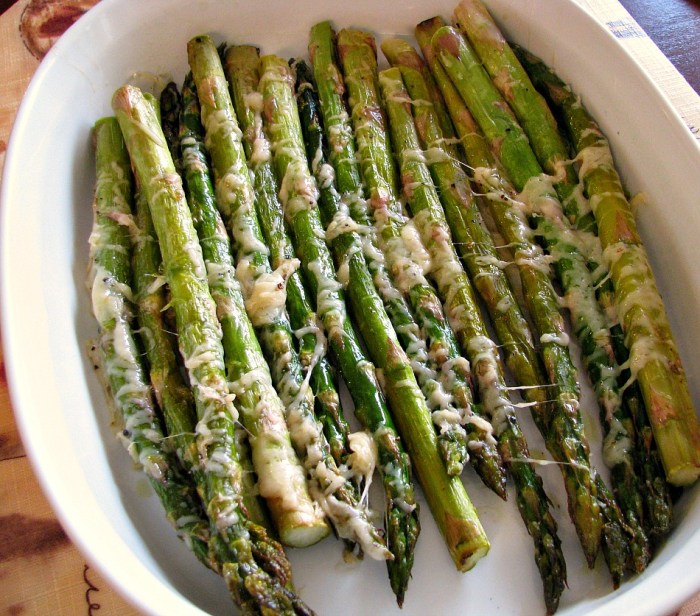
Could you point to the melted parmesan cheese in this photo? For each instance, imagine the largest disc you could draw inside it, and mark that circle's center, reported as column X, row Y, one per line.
column 562, row 339
column 265, row 301
column 220, row 121
column 577, row 201
column 298, row 189
column 342, row 223
column 592, row 157
column 539, row 196
column 494, row 398
column 191, row 155
column 363, row 457
column 447, row 420
column 244, row 382
column 339, row 132
column 343, row 269
column 617, row 444
column 260, row 146
column 417, row 252
column 329, row 302
column 540, row 262
column 325, row 176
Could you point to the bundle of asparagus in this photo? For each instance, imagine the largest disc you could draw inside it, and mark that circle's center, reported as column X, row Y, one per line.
column 598, row 521
column 327, row 485
column 425, row 203
column 624, row 450
column 117, row 352
column 603, row 352
column 580, row 124
column 268, row 194
column 254, row 566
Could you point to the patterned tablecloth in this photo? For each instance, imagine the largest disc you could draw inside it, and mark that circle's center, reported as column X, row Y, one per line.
column 41, row 572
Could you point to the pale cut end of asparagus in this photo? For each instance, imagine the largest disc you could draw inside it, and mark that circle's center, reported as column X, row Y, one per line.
column 300, row 529
column 465, row 554
column 681, row 461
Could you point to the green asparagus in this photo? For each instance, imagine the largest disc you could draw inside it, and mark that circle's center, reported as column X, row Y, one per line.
column 109, row 280
column 264, row 303
column 425, row 132
column 449, row 503
column 454, row 375
column 172, row 393
column 654, row 357
column 628, row 457
column 298, row 197
column 365, row 302
column 399, row 241
column 170, row 104
column 591, row 514
column 253, row 566
column 592, row 326
column 437, row 385
column 540, row 126
column 304, row 321
column 329, row 488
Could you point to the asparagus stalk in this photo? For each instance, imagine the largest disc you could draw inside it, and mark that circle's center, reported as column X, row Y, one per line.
column 533, row 266
column 461, row 212
column 329, row 487
column 528, row 105
column 655, row 361
column 172, row 393
column 449, row 503
column 501, row 129
column 239, row 339
column 236, row 199
column 266, row 551
column 109, row 280
column 532, row 111
column 425, row 131
column 254, row 567
column 454, row 374
column 399, row 241
column 601, row 353
column 465, row 130
column 348, row 248
column 264, row 303
column 540, row 126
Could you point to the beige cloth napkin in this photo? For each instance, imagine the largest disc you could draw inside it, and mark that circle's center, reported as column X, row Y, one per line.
column 616, row 18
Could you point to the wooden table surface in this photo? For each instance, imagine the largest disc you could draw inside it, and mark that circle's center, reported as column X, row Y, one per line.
column 40, row 571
